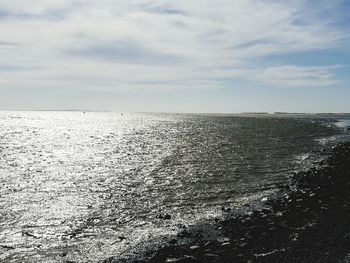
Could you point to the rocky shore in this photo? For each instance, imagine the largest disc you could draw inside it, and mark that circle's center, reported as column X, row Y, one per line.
column 309, row 221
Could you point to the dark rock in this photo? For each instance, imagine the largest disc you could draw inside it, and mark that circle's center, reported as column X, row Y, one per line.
column 167, row 217
column 7, row 247
column 121, row 238
column 172, row 242
column 164, row 216
column 26, row 233
column 184, row 234
column 226, row 209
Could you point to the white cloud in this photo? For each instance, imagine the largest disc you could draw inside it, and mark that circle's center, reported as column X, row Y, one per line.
column 145, row 44
column 293, row 76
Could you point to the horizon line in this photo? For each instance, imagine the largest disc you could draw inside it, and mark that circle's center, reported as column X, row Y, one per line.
column 173, row 112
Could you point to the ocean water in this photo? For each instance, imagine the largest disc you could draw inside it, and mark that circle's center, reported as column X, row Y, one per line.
column 84, row 187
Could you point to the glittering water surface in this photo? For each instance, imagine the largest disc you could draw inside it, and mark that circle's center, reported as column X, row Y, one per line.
column 72, row 183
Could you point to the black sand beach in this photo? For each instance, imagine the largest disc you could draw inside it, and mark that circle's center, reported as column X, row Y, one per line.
column 308, row 221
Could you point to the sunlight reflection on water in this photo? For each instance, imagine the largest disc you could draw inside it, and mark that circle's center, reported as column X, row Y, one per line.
column 73, row 183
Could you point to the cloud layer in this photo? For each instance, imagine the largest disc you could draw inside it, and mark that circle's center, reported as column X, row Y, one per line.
column 144, row 45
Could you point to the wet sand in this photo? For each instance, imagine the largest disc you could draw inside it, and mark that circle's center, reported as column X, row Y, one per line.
column 307, row 222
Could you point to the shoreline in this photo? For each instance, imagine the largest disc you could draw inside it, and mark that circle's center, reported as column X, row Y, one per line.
column 306, row 222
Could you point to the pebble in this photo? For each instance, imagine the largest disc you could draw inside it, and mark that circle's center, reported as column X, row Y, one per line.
column 185, row 259
column 279, row 214
column 222, row 240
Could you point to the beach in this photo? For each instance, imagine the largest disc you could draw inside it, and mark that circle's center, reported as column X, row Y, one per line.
column 307, row 221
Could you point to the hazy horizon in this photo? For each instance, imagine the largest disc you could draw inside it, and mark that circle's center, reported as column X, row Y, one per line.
column 183, row 112
column 175, row 56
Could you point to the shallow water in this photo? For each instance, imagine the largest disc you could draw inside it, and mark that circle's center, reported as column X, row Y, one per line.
column 73, row 183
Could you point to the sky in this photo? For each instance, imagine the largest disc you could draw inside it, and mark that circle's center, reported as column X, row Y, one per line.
column 175, row 55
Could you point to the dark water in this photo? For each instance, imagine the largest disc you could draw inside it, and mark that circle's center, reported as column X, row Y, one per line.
column 73, row 183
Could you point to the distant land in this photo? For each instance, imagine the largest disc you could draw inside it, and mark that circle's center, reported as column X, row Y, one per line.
column 249, row 113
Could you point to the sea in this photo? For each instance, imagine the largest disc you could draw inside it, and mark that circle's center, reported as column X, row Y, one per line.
column 85, row 186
